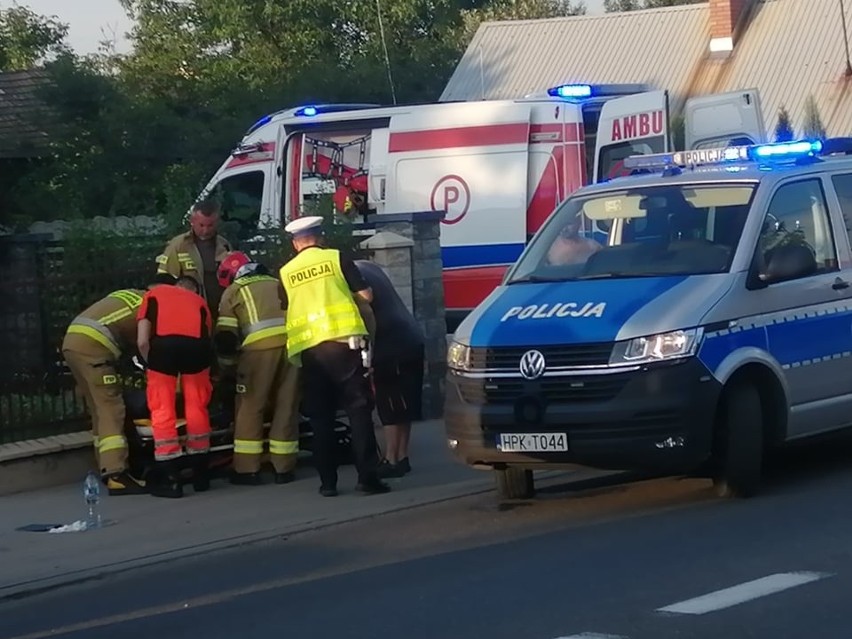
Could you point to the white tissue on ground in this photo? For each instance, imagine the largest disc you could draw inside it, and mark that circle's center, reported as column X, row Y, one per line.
column 77, row 526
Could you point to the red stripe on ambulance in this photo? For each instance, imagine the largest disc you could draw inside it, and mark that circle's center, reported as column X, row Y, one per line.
column 639, row 125
column 457, row 137
column 465, row 288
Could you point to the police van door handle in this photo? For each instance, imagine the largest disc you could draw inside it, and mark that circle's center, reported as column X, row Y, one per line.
column 839, row 284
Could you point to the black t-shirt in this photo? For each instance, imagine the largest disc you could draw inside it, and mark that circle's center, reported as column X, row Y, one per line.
column 399, row 336
column 353, row 276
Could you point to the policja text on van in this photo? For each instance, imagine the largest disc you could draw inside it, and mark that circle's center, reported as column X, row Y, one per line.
column 545, row 311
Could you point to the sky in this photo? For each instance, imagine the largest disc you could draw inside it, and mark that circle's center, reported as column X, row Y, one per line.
column 90, row 21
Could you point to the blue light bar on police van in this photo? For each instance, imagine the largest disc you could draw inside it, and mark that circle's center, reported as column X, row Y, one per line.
column 802, row 148
column 730, row 154
column 571, row 91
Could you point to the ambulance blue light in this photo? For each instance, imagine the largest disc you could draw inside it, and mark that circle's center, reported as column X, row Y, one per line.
column 266, row 119
column 788, row 149
column 308, row 111
column 571, row 91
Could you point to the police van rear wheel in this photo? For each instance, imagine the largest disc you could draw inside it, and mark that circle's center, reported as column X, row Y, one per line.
column 514, row 483
column 739, row 449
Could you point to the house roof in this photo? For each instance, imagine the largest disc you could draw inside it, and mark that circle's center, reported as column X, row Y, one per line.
column 20, row 135
column 789, row 50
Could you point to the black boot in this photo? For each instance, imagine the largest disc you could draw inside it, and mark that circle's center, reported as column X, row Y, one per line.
column 166, row 480
column 201, row 472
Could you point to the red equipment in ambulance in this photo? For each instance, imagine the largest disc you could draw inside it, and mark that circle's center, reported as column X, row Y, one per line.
column 496, row 168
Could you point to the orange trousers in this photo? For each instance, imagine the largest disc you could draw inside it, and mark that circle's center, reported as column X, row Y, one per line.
column 161, row 393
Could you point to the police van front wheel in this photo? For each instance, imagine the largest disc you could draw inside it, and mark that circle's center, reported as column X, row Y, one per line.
column 739, row 443
column 514, row 483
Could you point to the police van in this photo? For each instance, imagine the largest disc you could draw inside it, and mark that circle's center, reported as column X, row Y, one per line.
column 714, row 322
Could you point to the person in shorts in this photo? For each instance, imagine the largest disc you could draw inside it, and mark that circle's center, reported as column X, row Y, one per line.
column 397, row 362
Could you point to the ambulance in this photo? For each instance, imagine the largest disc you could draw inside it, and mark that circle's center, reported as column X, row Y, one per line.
column 497, row 169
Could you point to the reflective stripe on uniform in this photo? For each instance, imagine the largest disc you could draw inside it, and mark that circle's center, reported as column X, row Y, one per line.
column 109, row 380
column 112, row 442
column 162, row 259
column 264, row 333
column 227, row 322
column 167, row 456
column 283, row 447
column 117, row 316
column 296, row 340
column 131, row 298
column 96, row 331
column 248, row 447
column 251, row 308
column 263, row 329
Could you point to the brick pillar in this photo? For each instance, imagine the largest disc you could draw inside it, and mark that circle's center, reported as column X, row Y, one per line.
column 726, row 18
column 411, row 243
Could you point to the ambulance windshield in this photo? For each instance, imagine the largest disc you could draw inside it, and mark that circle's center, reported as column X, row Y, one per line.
column 659, row 230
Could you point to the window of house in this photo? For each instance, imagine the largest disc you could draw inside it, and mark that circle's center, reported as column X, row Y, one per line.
column 798, row 214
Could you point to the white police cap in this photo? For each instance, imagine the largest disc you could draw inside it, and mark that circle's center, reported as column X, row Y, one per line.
column 304, row 225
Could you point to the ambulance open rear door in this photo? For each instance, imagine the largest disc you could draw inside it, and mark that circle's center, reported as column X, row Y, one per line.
column 724, row 119
column 632, row 125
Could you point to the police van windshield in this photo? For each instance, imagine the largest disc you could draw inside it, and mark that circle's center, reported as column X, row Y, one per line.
column 657, row 230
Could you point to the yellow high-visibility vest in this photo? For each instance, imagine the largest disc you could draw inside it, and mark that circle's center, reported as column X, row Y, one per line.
column 320, row 305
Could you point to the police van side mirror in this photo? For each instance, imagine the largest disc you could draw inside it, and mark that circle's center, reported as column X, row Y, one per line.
column 784, row 263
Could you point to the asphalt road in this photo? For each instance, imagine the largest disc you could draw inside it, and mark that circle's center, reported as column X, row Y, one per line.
column 646, row 560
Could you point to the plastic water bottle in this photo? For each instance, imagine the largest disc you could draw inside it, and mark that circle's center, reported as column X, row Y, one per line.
column 92, row 495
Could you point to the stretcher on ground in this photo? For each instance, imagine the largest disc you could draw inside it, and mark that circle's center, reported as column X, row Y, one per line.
column 141, row 442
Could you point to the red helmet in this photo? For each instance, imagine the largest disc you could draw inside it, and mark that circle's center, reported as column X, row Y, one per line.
column 229, row 266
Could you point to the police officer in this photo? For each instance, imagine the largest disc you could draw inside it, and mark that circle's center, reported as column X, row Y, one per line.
column 92, row 346
column 251, row 327
column 198, row 252
column 326, row 296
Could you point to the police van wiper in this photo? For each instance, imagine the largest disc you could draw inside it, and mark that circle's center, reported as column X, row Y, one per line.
column 536, row 279
column 611, row 274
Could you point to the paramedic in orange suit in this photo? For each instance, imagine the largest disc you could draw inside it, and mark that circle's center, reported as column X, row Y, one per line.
column 174, row 338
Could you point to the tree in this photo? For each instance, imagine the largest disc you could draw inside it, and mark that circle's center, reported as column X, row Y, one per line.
column 784, row 129
column 515, row 10
column 812, row 127
column 634, row 5
column 28, row 39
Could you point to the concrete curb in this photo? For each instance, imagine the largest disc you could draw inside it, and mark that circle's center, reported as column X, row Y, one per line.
column 34, row 587
column 571, row 481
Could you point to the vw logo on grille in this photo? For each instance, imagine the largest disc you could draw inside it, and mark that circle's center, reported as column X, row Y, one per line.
column 532, row 365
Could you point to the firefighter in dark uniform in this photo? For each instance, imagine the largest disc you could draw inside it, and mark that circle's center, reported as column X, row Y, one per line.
column 198, row 252
column 327, row 300
column 250, row 334
column 93, row 344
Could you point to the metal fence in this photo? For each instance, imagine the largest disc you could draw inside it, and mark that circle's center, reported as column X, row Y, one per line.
column 45, row 284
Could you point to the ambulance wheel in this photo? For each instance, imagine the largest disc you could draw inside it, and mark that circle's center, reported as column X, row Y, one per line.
column 514, row 483
column 739, row 443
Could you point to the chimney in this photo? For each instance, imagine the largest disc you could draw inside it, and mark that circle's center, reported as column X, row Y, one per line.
column 726, row 19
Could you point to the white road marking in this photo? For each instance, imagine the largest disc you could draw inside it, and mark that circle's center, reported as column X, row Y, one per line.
column 592, row 635
column 743, row 592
